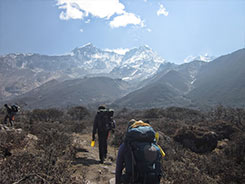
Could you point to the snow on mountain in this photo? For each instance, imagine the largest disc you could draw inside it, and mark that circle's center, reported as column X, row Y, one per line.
column 120, row 51
column 87, row 60
column 138, row 63
column 95, row 60
column 205, row 58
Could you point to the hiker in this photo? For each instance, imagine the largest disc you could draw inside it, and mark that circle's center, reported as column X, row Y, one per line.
column 103, row 122
column 139, row 155
column 11, row 112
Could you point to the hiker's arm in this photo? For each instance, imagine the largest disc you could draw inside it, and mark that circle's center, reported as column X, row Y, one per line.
column 95, row 127
column 120, row 161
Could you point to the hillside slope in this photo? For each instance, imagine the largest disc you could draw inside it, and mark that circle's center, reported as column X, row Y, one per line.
column 167, row 91
column 74, row 92
column 221, row 81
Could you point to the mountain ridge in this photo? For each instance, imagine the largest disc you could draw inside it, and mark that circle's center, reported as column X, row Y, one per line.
column 34, row 69
column 194, row 84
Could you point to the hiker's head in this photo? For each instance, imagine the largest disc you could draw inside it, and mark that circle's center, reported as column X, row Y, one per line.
column 101, row 107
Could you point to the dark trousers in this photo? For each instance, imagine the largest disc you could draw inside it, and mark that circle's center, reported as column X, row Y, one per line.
column 103, row 144
column 11, row 119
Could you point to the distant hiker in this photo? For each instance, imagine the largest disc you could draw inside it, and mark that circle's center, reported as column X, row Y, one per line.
column 139, row 155
column 103, row 122
column 11, row 112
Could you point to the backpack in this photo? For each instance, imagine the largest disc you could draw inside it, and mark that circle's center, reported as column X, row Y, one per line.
column 106, row 122
column 15, row 108
column 145, row 154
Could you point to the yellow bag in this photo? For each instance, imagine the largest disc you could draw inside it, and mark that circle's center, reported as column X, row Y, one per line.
column 92, row 143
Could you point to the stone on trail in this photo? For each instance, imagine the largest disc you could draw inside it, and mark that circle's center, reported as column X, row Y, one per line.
column 112, row 181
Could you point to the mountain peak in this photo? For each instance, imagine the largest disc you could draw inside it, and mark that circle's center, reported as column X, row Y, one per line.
column 89, row 44
column 85, row 49
column 145, row 47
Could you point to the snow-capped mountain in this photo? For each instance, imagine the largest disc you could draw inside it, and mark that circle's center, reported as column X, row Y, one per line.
column 138, row 64
column 20, row 73
column 95, row 60
column 194, row 84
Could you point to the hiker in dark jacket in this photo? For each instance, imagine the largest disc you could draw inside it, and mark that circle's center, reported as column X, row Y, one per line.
column 11, row 112
column 101, row 122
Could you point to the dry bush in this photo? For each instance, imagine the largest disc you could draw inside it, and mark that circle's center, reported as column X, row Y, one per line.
column 78, row 113
column 223, row 129
column 181, row 165
column 11, row 140
column 177, row 113
column 51, row 159
column 151, row 113
column 197, row 139
column 234, row 115
column 237, row 150
column 121, row 126
column 46, row 114
column 47, row 162
column 27, row 166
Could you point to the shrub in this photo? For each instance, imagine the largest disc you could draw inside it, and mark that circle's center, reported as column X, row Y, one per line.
column 47, row 162
column 78, row 113
column 197, row 139
column 46, row 114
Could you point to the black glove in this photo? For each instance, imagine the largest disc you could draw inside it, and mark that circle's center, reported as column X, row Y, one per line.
column 93, row 137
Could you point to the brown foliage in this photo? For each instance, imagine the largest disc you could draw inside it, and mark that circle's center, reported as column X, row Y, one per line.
column 49, row 158
column 78, row 113
column 197, row 139
column 46, row 114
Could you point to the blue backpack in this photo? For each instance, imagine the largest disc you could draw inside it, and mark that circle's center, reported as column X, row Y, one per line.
column 146, row 167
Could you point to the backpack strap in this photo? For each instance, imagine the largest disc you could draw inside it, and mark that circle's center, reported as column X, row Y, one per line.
column 133, row 163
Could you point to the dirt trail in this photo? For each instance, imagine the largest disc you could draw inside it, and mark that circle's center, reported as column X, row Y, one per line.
column 86, row 166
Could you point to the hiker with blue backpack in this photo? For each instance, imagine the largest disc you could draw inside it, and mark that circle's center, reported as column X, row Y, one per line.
column 139, row 155
column 103, row 123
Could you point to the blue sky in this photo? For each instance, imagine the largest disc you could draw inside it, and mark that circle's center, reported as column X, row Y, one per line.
column 175, row 29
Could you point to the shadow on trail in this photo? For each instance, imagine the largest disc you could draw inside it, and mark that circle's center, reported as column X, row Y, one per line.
column 81, row 150
column 85, row 161
column 107, row 163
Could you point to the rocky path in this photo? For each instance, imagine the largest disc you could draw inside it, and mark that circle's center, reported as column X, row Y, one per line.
column 86, row 166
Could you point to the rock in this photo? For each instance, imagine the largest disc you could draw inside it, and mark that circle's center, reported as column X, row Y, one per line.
column 32, row 137
column 5, row 128
column 112, row 181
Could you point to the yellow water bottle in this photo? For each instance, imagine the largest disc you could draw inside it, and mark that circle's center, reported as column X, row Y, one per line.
column 92, row 143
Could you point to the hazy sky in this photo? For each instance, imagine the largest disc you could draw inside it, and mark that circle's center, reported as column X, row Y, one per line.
column 175, row 29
